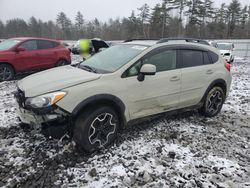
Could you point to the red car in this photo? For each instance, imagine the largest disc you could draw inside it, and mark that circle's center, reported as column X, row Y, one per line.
column 29, row 54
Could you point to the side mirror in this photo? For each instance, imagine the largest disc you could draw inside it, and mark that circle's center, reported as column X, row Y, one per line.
column 20, row 49
column 146, row 69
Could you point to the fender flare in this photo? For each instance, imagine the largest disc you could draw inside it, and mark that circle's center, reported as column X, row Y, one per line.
column 218, row 82
column 105, row 99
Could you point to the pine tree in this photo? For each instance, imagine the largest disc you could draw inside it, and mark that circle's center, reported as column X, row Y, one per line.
column 194, row 13
column 16, row 28
column 248, row 23
column 180, row 5
column 143, row 16
column 1, row 30
column 167, row 6
column 79, row 21
column 133, row 25
column 97, row 26
column 207, row 13
column 156, row 21
column 65, row 24
column 234, row 16
column 221, row 18
column 243, row 17
column 34, row 27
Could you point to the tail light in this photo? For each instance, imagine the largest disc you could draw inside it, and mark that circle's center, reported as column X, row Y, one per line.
column 227, row 66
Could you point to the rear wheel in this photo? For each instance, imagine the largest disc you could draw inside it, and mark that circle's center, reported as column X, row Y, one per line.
column 96, row 128
column 61, row 63
column 6, row 72
column 213, row 102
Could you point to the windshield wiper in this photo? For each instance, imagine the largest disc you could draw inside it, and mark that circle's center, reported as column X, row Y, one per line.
column 88, row 68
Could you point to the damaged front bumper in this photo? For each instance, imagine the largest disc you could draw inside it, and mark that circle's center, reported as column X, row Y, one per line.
column 52, row 121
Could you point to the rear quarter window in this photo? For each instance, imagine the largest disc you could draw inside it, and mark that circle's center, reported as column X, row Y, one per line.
column 206, row 59
column 214, row 57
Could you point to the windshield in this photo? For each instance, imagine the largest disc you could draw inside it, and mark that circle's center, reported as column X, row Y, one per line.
column 113, row 58
column 223, row 46
column 7, row 44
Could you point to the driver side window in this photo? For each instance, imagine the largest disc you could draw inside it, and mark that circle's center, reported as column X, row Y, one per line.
column 163, row 60
column 29, row 45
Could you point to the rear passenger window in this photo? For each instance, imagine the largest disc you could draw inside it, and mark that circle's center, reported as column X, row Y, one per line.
column 43, row 44
column 206, row 58
column 165, row 60
column 191, row 58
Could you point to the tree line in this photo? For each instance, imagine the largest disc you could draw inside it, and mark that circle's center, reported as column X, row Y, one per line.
column 168, row 18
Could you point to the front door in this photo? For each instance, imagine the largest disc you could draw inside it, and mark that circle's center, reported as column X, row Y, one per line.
column 29, row 59
column 157, row 93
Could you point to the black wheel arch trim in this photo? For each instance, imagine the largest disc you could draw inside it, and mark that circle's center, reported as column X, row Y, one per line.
column 102, row 99
column 219, row 82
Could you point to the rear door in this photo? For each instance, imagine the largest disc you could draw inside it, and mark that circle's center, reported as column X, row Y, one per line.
column 197, row 72
column 47, row 54
column 157, row 93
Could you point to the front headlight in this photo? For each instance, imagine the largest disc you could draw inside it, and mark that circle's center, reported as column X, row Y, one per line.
column 44, row 101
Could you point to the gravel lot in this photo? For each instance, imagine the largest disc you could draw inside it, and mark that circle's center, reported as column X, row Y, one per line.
column 186, row 150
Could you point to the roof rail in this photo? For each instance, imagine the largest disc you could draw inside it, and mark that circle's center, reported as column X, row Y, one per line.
column 185, row 39
column 130, row 40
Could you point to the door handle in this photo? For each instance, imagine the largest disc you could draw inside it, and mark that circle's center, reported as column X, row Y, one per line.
column 210, row 71
column 174, row 78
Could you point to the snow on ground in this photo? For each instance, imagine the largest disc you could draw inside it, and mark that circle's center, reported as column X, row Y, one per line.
column 185, row 150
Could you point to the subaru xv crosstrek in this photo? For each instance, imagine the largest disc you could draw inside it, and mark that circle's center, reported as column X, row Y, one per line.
column 30, row 54
column 128, row 81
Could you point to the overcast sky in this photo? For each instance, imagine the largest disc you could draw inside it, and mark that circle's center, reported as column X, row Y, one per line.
column 101, row 9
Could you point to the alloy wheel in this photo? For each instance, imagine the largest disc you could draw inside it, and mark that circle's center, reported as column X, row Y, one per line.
column 101, row 129
column 5, row 73
column 215, row 101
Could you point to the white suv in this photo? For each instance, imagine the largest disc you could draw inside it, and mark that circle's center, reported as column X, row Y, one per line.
column 227, row 51
column 127, row 81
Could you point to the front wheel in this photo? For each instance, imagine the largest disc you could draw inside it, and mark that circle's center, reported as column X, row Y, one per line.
column 213, row 102
column 6, row 72
column 96, row 129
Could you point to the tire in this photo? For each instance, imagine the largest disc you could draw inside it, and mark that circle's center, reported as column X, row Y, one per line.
column 213, row 102
column 96, row 128
column 6, row 72
column 61, row 62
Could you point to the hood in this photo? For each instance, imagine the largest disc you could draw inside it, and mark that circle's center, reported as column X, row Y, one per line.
column 55, row 79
